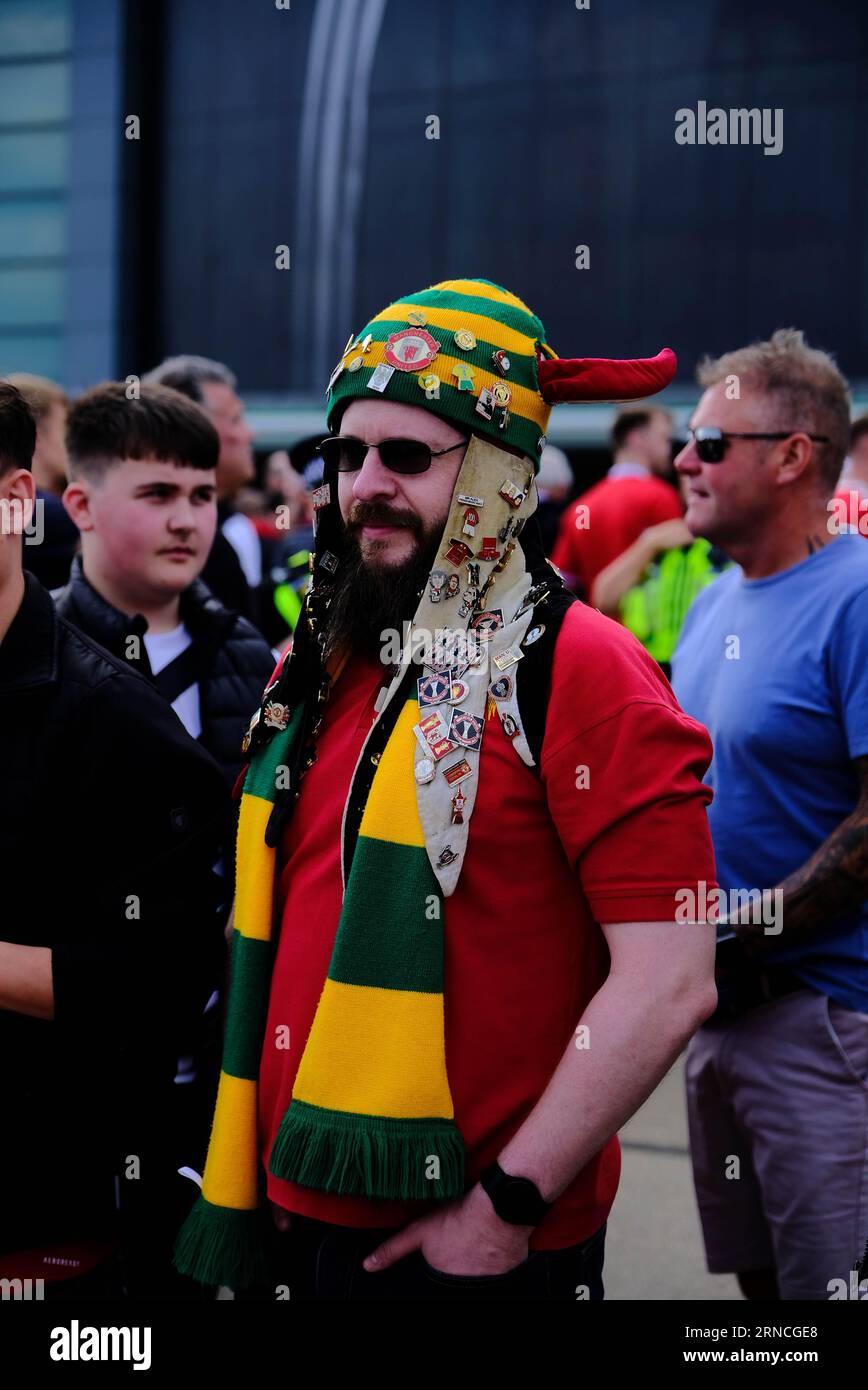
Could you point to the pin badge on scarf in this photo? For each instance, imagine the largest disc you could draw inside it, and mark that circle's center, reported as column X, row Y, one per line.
column 488, row 549
column 502, row 688
column 457, row 772
column 513, row 494
column 436, row 585
column 458, row 689
column 425, row 770
column 432, row 690
column 453, row 584
column 433, row 735
column 458, row 552
column 510, row 728
column 508, row 657
column 275, row 716
column 468, row 499
column 468, row 600
column 459, row 801
column 471, row 521
column 466, row 729
column 486, row 624
column 534, row 634
column 321, row 496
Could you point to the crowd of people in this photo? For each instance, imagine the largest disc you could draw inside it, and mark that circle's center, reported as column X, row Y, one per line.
column 327, row 972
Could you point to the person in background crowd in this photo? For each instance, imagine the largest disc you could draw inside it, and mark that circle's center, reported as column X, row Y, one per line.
column 112, row 818
column 392, row 1179
column 851, row 494
column 634, row 495
column 233, row 571
column 49, row 559
column 652, row 585
column 554, row 484
column 289, row 543
column 773, row 659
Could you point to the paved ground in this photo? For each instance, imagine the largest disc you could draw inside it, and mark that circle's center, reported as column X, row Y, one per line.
column 654, row 1243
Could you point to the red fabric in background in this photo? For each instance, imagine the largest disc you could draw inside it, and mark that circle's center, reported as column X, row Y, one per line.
column 619, row 510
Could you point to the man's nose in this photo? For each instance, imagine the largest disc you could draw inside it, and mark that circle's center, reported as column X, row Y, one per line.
column 373, row 479
column 687, row 461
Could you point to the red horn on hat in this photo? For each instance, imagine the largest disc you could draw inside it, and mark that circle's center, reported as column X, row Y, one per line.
column 605, row 378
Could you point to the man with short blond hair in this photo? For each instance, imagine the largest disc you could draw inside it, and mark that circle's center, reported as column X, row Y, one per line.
column 773, row 659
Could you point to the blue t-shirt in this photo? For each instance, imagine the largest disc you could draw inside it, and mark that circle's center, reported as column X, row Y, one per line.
column 777, row 671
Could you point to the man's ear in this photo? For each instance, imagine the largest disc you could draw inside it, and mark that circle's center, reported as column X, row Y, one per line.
column 796, row 455
column 77, row 501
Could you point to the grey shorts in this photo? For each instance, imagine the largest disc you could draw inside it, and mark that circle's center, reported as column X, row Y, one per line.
column 783, row 1091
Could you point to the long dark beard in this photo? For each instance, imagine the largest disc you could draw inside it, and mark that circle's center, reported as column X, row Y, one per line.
column 370, row 600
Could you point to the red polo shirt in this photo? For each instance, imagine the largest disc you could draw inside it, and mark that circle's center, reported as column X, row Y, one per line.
column 546, row 862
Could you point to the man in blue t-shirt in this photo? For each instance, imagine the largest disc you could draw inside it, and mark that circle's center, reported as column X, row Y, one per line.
column 773, row 659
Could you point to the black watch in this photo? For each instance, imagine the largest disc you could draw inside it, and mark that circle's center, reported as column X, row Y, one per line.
column 516, row 1200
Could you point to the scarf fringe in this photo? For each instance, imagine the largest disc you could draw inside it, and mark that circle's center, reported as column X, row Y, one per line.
column 368, row 1155
column 222, row 1245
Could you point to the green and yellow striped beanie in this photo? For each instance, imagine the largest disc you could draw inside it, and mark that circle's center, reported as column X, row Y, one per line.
column 466, row 349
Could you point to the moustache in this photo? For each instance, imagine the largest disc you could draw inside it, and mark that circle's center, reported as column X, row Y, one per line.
column 374, row 514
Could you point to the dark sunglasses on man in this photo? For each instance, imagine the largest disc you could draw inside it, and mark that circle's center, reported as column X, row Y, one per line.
column 346, row 454
column 711, row 442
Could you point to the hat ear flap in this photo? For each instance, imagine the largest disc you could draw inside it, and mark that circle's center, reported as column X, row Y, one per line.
column 604, row 378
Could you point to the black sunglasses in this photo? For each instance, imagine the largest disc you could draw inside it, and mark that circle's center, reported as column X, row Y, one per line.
column 711, row 442
column 346, row 454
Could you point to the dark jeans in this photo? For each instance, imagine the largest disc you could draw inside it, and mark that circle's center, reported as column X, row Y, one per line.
column 315, row 1260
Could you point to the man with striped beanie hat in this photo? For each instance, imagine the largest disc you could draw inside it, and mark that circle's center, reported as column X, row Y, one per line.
column 471, row 808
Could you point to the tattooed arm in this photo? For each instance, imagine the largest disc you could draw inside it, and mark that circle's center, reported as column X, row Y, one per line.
column 832, row 882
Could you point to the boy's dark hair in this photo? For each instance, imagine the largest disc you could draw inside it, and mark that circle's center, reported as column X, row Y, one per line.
column 105, row 425
column 17, row 429
column 626, row 421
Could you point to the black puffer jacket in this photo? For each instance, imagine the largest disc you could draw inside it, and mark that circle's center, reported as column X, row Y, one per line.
column 103, row 795
column 237, row 668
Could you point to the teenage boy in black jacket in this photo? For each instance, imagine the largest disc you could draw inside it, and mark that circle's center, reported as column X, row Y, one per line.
column 111, row 818
column 143, row 494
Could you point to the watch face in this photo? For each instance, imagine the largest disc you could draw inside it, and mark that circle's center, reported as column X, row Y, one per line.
column 519, row 1202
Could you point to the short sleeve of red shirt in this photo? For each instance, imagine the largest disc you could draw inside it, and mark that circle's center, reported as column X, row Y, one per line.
column 622, row 765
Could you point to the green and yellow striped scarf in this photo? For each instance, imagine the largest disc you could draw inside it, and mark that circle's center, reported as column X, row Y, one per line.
column 371, row 1112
